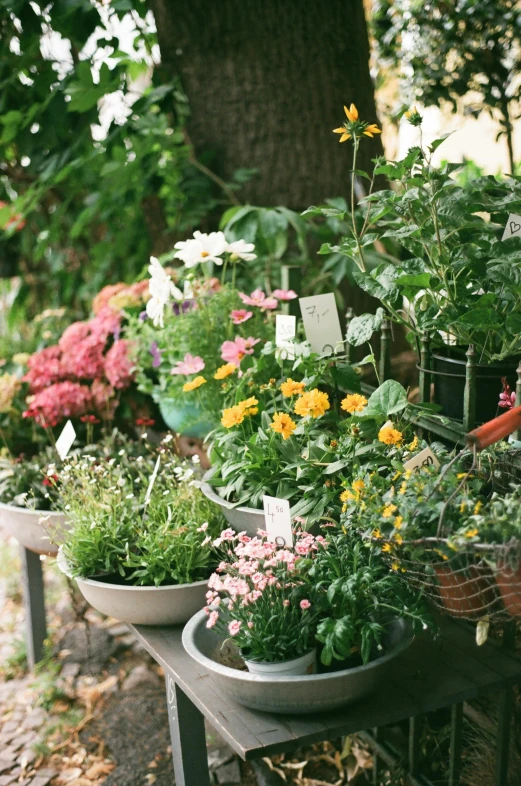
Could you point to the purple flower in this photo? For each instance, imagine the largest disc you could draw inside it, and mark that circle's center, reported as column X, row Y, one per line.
column 156, row 354
column 182, row 308
column 143, row 315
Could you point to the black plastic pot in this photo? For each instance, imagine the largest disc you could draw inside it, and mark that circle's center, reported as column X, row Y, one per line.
column 449, row 367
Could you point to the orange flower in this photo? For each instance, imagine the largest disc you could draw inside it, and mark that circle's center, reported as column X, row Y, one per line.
column 313, row 403
column 225, row 371
column 354, row 403
column 232, row 416
column 193, row 384
column 283, row 424
column 291, row 388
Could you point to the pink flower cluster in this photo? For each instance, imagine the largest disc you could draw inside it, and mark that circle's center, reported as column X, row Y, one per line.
column 507, row 399
column 87, row 352
column 254, row 566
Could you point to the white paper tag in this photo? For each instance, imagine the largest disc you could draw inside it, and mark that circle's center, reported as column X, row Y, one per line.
column 152, row 480
column 285, row 329
column 65, row 440
column 513, row 227
column 425, row 458
column 278, row 520
column 321, row 323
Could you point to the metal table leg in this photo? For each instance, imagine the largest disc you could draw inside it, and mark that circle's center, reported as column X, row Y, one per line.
column 34, row 605
column 188, row 738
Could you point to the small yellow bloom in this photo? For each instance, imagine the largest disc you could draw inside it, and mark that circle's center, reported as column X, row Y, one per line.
column 398, row 538
column 249, row 405
column 358, row 485
column 313, row 403
column 377, row 534
column 291, row 388
column 471, row 533
column 225, row 371
column 347, row 495
column 395, row 566
column 193, row 384
column 388, row 511
column 283, row 424
column 462, row 507
column 354, row 403
column 344, row 508
column 414, row 444
column 387, row 547
column 390, row 436
column 398, row 522
column 351, row 113
column 232, row 416
column 477, row 507
column 403, row 488
column 21, row 358
column 462, row 475
column 371, row 130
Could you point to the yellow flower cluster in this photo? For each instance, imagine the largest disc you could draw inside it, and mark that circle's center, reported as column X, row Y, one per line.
column 291, row 388
column 354, row 403
column 283, row 424
column 193, row 384
column 390, row 436
column 234, row 416
column 388, row 511
column 313, row 403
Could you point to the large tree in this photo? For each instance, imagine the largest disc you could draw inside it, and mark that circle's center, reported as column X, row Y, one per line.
column 266, row 82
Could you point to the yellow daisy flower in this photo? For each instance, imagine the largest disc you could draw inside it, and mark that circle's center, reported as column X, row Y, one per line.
column 354, row 403
column 388, row 511
column 193, row 384
column 291, row 388
column 225, row 371
column 358, row 485
column 313, row 403
column 283, row 424
column 232, row 416
column 390, row 436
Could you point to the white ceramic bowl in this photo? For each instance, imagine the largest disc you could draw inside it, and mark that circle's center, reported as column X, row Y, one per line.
column 240, row 519
column 38, row 530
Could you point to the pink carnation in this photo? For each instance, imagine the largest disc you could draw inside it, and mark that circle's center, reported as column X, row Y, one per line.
column 212, row 619
column 305, row 604
column 234, row 627
column 118, row 365
column 58, row 402
column 45, row 368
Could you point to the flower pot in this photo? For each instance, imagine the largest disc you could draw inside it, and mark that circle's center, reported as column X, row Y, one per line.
column 38, row 530
column 282, row 693
column 240, row 519
column 305, row 664
column 508, row 580
column 465, row 593
column 188, row 419
column 169, row 605
column 449, row 365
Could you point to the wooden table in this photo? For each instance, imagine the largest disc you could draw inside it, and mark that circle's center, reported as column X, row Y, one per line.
column 430, row 675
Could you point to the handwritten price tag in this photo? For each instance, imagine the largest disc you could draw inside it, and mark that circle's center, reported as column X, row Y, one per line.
column 285, row 329
column 321, row 323
column 513, row 227
column 425, row 458
column 278, row 520
column 65, row 440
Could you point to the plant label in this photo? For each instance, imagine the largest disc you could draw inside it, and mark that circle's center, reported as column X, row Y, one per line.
column 321, row 323
column 152, row 480
column 278, row 520
column 513, row 227
column 425, row 458
column 65, row 440
column 285, row 329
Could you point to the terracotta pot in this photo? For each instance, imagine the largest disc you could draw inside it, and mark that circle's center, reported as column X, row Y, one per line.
column 464, row 593
column 508, row 580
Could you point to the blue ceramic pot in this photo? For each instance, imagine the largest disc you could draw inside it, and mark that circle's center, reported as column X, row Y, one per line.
column 189, row 420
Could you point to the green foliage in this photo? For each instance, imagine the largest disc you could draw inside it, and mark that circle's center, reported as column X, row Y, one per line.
column 468, row 50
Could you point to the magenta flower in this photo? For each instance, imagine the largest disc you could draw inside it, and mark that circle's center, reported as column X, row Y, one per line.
column 305, row 604
column 285, row 294
column 507, row 399
column 259, row 299
column 235, row 351
column 240, row 315
column 190, row 365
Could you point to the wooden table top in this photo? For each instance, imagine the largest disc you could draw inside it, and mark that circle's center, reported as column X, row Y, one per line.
column 429, row 675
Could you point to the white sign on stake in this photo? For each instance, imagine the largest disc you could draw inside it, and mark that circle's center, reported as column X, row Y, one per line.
column 285, row 329
column 425, row 458
column 321, row 323
column 65, row 440
column 278, row 520
column 152, row 480
column 513, row 227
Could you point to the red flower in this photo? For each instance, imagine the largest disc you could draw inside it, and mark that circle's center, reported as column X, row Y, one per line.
column 50, row 481
column 145, row 422
column 90, row 419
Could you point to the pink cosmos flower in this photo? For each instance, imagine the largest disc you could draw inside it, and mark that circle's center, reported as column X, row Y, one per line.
column 259, row 299
column 285, row 294
column 235, row 351
column 190, row 365
column 240, row 315
column 212, row 619
column 305, row 604
column 234, row 627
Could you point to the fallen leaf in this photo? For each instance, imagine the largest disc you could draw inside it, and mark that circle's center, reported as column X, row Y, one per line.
column 100, row 768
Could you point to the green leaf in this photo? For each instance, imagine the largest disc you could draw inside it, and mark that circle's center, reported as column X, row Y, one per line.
column 388, row 399
column 480, row 318
column 362, row 328
column 346, row 377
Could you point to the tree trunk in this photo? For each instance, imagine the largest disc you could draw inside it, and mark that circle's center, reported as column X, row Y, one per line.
column 266, row 82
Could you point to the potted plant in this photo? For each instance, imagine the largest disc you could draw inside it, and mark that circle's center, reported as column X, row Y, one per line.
column 349, row 605
column 450, row 279
column 300, row 437
column 191, row 341
column 139, row 543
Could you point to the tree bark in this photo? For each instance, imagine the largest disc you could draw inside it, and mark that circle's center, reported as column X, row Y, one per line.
column 266, row 82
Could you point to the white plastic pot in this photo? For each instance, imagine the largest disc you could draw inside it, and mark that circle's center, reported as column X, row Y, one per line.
column 38, row 530
column 306, row 664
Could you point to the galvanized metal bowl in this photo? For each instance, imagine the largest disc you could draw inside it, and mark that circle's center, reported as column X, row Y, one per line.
column 38, row 530
column 240, row 519
column 295, row 695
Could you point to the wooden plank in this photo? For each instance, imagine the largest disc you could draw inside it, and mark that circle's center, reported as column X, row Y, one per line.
column 427, row 676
